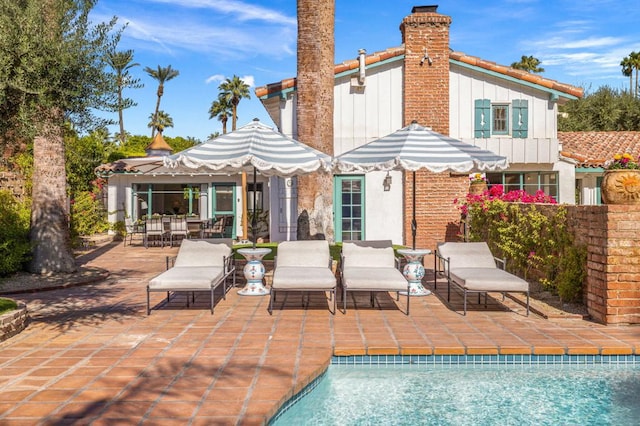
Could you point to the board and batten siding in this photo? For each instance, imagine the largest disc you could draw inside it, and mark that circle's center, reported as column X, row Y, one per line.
column 541, row 144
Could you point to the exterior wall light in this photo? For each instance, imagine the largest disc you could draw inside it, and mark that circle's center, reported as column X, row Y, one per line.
column 386, row 183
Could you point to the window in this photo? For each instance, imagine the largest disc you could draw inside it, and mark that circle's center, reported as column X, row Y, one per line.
column 167, row 198
column 497, row 119
column 530, row 182
column 500, row 114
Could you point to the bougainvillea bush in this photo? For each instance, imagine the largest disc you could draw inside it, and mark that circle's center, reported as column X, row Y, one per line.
column 535, row 241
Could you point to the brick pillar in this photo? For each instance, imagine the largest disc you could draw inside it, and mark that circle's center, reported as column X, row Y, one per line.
column 611, row 234
column 425, row 34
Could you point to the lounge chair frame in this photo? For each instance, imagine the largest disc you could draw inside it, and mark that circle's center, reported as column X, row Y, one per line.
column 444, row 265
column 229, row 271
column 373, row 244
column 319, row 250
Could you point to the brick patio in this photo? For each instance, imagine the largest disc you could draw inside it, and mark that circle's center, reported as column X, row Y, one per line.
column 91, row 355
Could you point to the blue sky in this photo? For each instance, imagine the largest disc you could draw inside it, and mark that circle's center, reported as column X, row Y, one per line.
column 580, row 42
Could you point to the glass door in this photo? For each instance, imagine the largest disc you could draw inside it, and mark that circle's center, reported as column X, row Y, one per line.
column 349, row 208
column 223, row 204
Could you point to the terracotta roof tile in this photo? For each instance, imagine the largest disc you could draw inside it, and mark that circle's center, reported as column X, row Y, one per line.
column 593, row 149
column 458, row 56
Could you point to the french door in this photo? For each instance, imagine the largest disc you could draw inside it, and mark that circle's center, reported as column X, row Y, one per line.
column 349, row 208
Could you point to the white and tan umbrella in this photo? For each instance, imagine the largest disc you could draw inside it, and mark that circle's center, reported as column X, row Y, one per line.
column 413, row 148
column 252, row 148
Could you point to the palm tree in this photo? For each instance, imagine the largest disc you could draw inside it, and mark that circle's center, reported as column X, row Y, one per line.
column 627, row 71
column 634, row 58
column 233, row 90
column 121, row 63
column 221, row 109
column 160, row 120
column 314, row 111
column 529, row 64
column 162, row 75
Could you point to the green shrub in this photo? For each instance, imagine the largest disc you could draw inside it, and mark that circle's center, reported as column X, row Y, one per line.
column 15, row 249
column 88, row 216
column 536, row 244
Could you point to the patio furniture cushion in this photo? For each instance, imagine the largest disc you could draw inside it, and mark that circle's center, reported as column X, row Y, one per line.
column 307, row 253
column 296, row 278
column 187, row 278
column 374, row 279
column 360, row 256
column 488, row 279
column 201, row 253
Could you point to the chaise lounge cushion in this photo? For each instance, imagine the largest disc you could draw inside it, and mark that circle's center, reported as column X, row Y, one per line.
column 358, row 256
column 382, row 279
column 488, row 279
column 300, row 278
column 201, row 253
column 187, row 278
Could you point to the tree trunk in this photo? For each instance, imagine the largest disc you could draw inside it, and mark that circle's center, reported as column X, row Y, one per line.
column 315, row 81
column 120, row 115
column 49, row 233
column 155, row 114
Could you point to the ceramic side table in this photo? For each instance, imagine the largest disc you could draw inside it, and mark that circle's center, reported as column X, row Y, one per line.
column 254, row 271
column 414, row 271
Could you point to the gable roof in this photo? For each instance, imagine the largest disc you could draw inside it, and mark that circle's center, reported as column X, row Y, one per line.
column 397, row 53
column 593, row 149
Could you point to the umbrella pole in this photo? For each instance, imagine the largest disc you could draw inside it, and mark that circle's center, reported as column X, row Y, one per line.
column 414, row 224
column 254, row 219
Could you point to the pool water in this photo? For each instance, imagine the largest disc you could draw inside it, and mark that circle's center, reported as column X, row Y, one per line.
column 471, row 395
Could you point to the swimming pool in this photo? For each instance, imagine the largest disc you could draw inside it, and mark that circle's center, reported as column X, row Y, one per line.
column 475, row 394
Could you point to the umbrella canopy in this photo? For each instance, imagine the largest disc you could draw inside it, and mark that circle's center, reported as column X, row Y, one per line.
column 255, row 147
column 413, row 148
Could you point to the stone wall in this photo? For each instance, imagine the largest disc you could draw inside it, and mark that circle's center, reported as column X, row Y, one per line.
column 13, row 322
column 12, row 182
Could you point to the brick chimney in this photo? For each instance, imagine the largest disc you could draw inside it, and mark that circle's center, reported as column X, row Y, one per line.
column 425, row 34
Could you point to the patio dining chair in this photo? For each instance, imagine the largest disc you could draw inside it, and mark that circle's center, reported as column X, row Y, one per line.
column 217, row 228
column 177, row 228
column 154, row 231
column 133, row 230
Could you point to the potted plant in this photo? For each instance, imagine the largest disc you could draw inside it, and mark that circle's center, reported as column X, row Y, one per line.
column 621, row 181
column 477, row 184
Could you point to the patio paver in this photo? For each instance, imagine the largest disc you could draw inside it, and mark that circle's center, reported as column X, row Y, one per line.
column 91, row 355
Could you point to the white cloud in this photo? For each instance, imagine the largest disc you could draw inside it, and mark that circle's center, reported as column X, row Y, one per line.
column 214, row 78
column 238, row 9
column 249, row 80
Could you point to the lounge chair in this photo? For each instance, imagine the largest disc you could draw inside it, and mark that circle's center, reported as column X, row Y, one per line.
column 472, row 268
column 371, row 266
column 303, row 266
column 201, row 265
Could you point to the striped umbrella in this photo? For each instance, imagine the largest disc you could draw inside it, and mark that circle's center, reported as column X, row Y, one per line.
column 255, row 148
column 413, row 148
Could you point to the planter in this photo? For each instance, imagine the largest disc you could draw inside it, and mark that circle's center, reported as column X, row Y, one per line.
column 621, row 187
column 477, row 188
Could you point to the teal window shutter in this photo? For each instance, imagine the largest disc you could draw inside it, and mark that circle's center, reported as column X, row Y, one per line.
column 482, row 126
column 520, row 120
